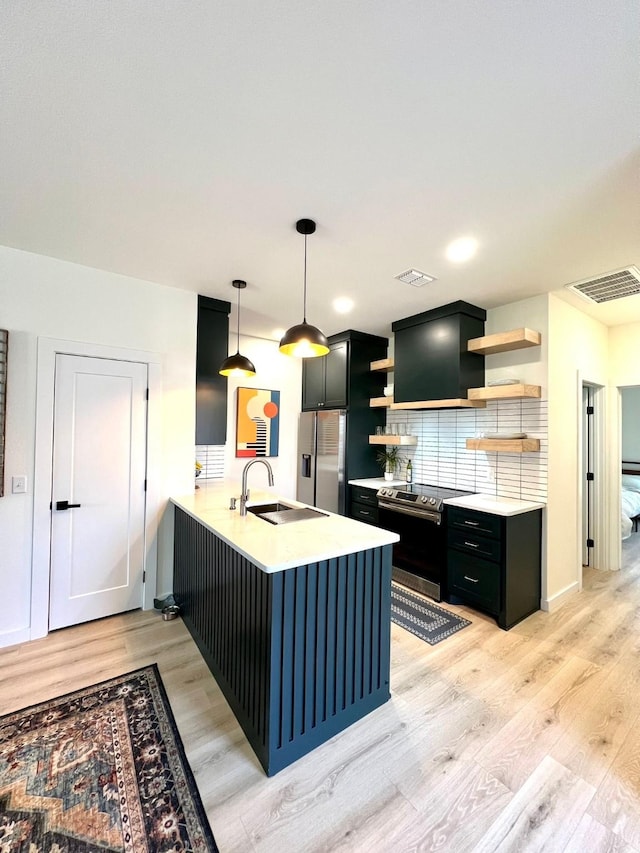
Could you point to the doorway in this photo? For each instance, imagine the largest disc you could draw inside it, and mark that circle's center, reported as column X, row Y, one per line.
column 588, row 474
column 630, row 473
column 592, row 477
column 98, row 488
column 137, row 571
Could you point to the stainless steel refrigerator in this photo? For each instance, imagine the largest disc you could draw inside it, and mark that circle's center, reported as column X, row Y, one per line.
column 321, row 459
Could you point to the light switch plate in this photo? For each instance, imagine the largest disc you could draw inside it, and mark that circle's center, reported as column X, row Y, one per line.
column 19, row 485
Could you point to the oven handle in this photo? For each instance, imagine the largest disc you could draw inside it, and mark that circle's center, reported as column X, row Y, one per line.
column 434, row 517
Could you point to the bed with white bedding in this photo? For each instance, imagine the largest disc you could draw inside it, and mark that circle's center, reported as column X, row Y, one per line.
column 630, row 499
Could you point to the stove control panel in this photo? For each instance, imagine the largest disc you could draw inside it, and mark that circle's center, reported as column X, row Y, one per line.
column 399, row 496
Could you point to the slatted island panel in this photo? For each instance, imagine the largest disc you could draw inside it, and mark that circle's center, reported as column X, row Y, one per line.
column 299, row 654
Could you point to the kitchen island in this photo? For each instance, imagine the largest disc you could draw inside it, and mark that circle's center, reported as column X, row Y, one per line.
column 292, row 619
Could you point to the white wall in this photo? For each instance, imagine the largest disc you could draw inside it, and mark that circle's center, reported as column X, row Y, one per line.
column 624, row 354
column 624, row 371
column 277, row 372
column 578, row 351
column 40, row 296
column 529, row 365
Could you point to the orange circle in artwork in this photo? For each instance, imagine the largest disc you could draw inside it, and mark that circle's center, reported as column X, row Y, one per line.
column 270, row 409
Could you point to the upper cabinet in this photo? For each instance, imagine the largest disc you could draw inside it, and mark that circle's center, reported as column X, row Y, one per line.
column 211, row 388
column 432, row 365
column 342, row 378
column 324, row 379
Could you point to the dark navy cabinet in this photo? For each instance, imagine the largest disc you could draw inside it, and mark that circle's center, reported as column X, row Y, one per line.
column 363, row 504
column 324, row 379
column 343, row 379
column 299, row 654
column 494, row 562
column 431, row 361
column 211, row 388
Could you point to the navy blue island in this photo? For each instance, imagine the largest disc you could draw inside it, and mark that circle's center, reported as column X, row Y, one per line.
column 293, row 619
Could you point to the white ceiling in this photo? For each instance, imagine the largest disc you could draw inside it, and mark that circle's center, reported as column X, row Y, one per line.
column 180, row 141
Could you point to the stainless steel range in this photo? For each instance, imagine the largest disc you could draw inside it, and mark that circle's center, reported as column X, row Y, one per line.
column 416, row 513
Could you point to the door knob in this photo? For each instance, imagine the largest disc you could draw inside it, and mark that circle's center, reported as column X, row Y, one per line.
column 65, row 505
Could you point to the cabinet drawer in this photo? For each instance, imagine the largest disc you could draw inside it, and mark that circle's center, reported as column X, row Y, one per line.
column 480, row 522
column 364, row 496
column 473, row 544
column 364, row 512
column 476, row 581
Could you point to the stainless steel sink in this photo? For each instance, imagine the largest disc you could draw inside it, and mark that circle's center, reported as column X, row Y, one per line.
column 260, row 509
column 279, row 513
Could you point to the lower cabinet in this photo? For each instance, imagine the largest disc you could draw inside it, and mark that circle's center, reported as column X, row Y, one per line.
column 363, row 504
column 493, row 562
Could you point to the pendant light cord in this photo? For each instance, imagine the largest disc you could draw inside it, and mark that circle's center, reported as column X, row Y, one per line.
column 238, row 347
column 304, row 305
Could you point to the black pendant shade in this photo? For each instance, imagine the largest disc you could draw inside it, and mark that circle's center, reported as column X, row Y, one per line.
column 237, row 365
column 304, row 340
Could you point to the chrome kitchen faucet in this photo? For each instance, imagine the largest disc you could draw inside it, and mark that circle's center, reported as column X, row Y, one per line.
column 244, row 497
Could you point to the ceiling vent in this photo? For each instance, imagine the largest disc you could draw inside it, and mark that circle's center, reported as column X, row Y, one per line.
column 612, row 285
column 415, row 277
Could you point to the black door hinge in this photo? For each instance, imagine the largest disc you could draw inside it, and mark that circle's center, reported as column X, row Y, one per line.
column 590, row 543
column 145, row 485
column 589, row 410
column 144, row 577
column 147, row 394
column 591, row 476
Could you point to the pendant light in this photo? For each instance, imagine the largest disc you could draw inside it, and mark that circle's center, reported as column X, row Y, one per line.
column 237, row 365
column 304, row 340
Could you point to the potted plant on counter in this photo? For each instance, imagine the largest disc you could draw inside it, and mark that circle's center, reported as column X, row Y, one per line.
column 389, row 459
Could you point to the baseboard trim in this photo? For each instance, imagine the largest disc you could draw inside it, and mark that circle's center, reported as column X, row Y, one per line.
column 556, row 601
column 12, row 638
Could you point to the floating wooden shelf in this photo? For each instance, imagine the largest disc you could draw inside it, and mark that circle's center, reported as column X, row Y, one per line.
column 382, row 364
column 441, row 404
column 505, row 341
column 505, row 445
column 404, row 440
column 504, row 392
column 380, row 401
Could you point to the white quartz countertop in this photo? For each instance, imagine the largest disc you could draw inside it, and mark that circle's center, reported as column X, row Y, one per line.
column 377, row 483
column 494, row 505
column 275, row 547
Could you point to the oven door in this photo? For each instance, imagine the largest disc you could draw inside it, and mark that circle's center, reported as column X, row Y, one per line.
column 419, row 558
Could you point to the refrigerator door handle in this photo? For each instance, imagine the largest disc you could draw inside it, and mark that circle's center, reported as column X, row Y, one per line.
column 306, row 465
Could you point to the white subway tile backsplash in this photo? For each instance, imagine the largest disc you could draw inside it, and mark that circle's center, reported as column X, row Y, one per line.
column 211, row 457
column 441, row 457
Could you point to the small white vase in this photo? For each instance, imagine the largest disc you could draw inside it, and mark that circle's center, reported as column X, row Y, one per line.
column 388, row 475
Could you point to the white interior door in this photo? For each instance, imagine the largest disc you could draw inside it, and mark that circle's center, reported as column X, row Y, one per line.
column 99, row 463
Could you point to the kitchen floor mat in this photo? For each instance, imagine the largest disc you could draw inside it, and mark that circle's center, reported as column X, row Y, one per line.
column 423, row 618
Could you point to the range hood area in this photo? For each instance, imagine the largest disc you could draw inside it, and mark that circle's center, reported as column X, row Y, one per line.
column 433, row 367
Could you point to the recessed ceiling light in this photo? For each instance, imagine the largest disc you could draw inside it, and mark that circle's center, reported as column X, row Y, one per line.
column 343, row 304
column 462, row 249
column 415, row 277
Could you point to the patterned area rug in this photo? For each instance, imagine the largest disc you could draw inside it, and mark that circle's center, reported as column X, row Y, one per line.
column 424, row 619
column 101, row 769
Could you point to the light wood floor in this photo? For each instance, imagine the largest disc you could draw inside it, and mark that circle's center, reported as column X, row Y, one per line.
column 526, row 740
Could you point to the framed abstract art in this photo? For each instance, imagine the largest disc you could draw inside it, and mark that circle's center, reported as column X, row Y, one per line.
column 257, row 422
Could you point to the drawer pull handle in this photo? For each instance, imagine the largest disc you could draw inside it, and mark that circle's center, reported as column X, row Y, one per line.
column 471, row 544
column 473, row 580
column 472, row 523
column 364, row 512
